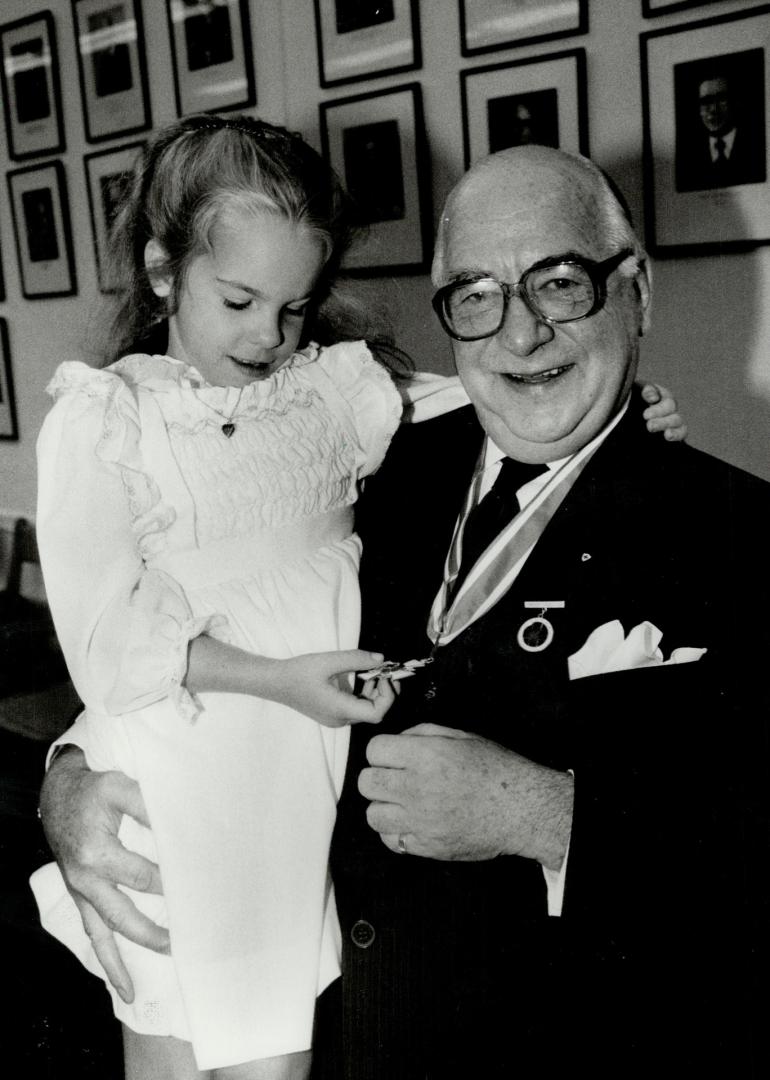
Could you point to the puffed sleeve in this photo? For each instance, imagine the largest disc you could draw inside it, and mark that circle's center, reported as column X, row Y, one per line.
column 124, row 630
column 378, row 401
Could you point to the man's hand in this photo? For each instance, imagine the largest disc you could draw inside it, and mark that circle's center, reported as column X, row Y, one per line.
column 81, row 812
column 455, row 796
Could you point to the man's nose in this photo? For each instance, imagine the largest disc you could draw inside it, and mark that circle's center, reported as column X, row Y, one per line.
column 522, row 332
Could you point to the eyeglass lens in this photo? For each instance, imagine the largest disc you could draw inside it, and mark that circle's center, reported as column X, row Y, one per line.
column 560, row 293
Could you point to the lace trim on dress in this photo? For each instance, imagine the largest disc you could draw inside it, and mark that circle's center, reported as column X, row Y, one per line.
column 119, row 445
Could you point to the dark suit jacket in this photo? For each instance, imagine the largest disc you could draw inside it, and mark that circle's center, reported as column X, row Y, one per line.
column 455, row 969
column 695, row 170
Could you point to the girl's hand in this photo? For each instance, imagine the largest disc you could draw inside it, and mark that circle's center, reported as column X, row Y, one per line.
column 661, row 412
column 318, row 685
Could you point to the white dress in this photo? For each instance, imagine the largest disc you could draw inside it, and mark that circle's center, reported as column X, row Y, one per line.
column 154, row 527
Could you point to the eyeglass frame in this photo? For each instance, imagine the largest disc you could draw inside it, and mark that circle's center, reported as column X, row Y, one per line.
column 598, row 272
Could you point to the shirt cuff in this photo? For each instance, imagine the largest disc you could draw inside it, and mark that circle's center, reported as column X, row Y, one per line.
column 75, row 735
column 554, row 880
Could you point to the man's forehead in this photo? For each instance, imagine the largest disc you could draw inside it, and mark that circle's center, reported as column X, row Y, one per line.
column 519, row 212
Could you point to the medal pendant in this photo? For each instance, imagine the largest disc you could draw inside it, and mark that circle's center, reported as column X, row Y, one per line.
column 535, row 634
column 395, row 669
column 228, row 429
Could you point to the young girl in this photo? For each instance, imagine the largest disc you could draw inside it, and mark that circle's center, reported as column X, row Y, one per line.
column 195, row 526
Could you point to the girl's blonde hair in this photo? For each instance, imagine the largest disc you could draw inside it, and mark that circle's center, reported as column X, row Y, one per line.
column 191, row 172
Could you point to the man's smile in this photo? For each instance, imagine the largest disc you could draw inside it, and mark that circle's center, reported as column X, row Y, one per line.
column 535, row 377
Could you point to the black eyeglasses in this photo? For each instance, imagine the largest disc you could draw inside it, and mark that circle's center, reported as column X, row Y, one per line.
column 555, row 292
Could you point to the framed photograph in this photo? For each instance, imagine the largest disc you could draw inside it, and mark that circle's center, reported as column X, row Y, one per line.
column 538, row 100
column 211, row 54
column 364, row 39
column 650, row 8
column 8, row 426
column 29, row 68
column 41, row 225
column 378, row 147
column 706, row 134
column 111, row 64
column 108, row 174
column 488, row 25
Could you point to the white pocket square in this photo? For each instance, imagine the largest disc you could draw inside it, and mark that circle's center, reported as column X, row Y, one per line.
column 608, row 649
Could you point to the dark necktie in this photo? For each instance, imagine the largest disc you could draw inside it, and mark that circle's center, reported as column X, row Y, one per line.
column 489, row 517
column 720, row 149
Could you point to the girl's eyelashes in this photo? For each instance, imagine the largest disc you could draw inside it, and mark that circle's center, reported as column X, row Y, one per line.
column 241, row 305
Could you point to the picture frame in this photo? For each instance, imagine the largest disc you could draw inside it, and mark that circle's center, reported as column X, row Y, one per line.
column 490, row 25
column 9, row 428
column 706, row 118
column 211, row 55
column 31, row 87
column 112, row 67
column 107, row 174
column 366, row 39
column 378, row 146
column 542, row 99
column 652, row 8
column 42, row 230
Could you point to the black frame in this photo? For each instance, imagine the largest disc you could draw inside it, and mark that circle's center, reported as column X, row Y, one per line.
column 64, row 248
column 12, row 435
column 96, row 208
column 706, row 205
column 420, row 227
column 370, row 73
column 139, row 89
column 581, row 96
column 669, row 9
column 515, row 42
column 58, row 143
column 243, row 35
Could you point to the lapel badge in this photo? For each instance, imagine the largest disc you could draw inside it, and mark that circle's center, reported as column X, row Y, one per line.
column 585, row 557
column 536, row 633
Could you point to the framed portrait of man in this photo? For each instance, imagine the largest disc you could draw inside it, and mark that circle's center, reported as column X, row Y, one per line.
column 108, row 176
column 377, row 145
column 41, row 224
column 31, row 90
column 541, row 99
column 112, row 67
column 212, row 55
column 707, row 133
column 365, row 39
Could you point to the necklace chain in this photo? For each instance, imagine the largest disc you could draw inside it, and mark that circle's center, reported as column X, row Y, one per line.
column 228, row 428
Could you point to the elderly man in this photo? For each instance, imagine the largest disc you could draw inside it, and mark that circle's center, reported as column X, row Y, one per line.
column 553, row 856
column 568, row 868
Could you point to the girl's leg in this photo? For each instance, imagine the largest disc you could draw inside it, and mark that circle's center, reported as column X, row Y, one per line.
column 158, row 1057
column 285, row 1067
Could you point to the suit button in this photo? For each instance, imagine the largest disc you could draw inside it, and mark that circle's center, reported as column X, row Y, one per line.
column 362, row 934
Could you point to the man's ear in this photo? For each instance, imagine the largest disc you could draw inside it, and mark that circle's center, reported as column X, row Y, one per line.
column 154, row 258
column 643, row 290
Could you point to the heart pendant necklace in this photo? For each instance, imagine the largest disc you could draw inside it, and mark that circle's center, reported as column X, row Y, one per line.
column 228, row 428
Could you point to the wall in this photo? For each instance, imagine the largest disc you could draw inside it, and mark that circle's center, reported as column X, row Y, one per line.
column 711, row 335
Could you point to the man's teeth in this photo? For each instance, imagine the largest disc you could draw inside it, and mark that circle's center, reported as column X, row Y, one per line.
column 540, row 376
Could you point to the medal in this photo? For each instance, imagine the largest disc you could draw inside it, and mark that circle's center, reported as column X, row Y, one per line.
column 536, row 633
column 395, row 669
